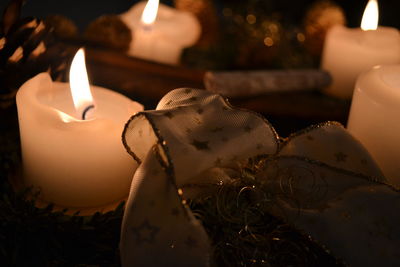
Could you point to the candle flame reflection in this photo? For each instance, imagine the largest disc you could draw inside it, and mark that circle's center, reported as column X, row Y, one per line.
column 150, row 12
column 79, row 83
column 371, row 16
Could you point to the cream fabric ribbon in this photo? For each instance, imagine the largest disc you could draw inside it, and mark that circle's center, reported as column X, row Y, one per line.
column 331, row 188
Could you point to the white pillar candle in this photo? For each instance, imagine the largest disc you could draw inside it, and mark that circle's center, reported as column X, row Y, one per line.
column 349, row 52
column 374, row 117
column 74, row 163
column 160, row 36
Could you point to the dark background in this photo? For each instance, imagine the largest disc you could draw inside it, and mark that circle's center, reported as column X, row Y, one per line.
column 84, row 11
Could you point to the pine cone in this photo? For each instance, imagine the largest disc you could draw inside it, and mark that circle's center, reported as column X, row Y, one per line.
column 27, row 47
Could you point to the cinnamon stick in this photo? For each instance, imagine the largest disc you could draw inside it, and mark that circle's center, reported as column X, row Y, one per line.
column 251, row 83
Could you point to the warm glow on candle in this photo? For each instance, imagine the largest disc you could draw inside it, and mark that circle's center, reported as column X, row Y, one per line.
column 371, row 16
column 150, row 12
column 79, row 83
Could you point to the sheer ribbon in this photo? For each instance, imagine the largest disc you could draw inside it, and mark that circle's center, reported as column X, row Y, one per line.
column 328, row 185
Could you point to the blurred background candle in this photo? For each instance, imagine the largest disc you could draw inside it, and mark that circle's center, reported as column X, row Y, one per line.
column 159, row 32
column 75, row 163
column 349, row 52
column 374, row 117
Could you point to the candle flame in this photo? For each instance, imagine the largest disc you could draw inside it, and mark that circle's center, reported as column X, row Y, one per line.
column 150, row 12
column 79, row 83
column 371, row 16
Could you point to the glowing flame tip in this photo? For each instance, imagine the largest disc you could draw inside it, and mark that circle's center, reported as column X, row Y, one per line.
column 79, row 83
column 150, row 12
column 371, row 16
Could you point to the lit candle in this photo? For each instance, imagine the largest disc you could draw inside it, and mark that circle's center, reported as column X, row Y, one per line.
column 71, row 146
column 374, row 117
column 349, row 52
column 160, row 32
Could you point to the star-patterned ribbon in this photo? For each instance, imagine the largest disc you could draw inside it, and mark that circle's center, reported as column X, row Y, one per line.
column 331, row 188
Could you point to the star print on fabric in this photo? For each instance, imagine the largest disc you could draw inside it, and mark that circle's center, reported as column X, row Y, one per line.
column 217, row 129
column 199, row 111
column 200, row 145
column 247, row 129
column 188, row 130
column 340, row 157
column 145, row 233
column 188, row 91
column 198, row 121
column 193, row 98
column 169, row 114
column 190, row 242
column 169, row 102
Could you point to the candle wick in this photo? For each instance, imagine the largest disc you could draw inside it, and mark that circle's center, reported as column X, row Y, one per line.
column 85, row 111
column 147, row 27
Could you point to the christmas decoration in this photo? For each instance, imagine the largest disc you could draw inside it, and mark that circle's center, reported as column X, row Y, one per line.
column 109, row 31
column 250, row 235
column 27, row 47
column 321, row 16
column 255, row 35
column 253, row 83
column 236, row 210
column 206, row 13
column 313, row 199
column 63, row 26
column 320, row 180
